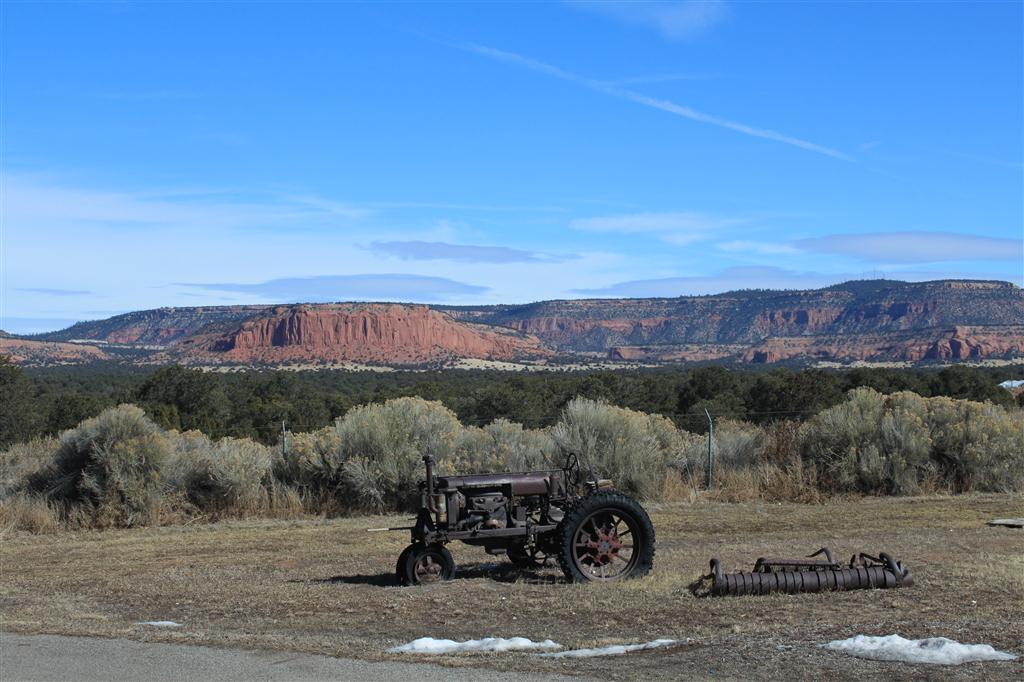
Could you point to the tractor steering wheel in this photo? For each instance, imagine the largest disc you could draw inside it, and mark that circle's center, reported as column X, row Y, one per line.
column 572, row 470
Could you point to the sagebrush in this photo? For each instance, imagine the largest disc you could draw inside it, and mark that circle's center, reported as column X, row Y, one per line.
column 904, row 444
column 122, row 469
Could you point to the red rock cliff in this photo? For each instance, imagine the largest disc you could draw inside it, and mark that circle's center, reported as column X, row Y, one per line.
column 960, row 343
column 370, row 333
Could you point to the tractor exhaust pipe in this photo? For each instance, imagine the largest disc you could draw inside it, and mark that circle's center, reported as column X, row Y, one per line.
column 792, row 576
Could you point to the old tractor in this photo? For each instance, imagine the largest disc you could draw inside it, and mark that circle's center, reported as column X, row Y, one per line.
column 594, row 532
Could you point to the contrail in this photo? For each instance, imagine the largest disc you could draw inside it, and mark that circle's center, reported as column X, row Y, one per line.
column 639, row 98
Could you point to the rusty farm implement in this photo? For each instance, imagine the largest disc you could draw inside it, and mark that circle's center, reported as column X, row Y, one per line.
column 807, row 575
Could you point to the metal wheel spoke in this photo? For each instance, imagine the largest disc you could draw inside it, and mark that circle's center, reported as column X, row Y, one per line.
column 605, row 545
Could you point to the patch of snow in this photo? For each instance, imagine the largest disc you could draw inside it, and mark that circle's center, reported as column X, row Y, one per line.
column 936, row 650
column 1012, row 383
column 429, row 645
column 160, row 623
column 613, row 650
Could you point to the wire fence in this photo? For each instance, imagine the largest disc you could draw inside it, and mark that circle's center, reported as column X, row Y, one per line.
column 696, row 421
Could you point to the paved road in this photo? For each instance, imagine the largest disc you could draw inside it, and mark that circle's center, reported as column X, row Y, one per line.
column 51, row 657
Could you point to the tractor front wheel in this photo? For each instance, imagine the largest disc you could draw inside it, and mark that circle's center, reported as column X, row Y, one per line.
column 420, row 564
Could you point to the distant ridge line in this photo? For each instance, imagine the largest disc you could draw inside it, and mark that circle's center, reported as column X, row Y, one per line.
column 870, row 320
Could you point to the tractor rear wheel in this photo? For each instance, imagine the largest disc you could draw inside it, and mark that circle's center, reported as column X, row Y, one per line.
column 421, row 564
column 606, row 536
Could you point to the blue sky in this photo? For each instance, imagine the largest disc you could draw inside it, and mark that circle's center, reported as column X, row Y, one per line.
column 217, row 153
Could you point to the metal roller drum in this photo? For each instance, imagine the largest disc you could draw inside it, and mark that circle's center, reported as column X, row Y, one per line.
column 793, row 576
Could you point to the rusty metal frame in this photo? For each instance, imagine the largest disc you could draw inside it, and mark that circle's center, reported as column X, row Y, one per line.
column 793, row 576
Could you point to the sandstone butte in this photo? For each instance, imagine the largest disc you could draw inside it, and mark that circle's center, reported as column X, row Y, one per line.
column 365, row 333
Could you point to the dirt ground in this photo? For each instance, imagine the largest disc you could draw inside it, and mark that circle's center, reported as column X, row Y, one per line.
column 326, row 586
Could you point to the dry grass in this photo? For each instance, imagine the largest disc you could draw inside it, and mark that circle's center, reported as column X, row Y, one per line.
column 325, row 586
column 22, row 460
column 30, row 513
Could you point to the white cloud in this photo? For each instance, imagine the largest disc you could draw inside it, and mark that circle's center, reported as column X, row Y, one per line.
column 674, row 20
column 653, row 102
column 30, row 200
column 457, row 206
column 762, row 248
column 651, row 222
column 675, row 227
column 332, row 207
column 730, row 279
column 365, row 287
column 127, row 246
column 465, row 253
column 45, row 291
column 761, row 277
column 916, row 247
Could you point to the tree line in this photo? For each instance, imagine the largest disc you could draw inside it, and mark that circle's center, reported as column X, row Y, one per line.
column 254, row 404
